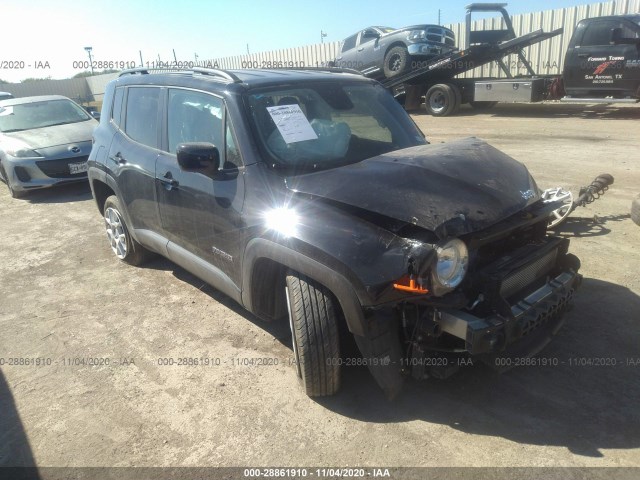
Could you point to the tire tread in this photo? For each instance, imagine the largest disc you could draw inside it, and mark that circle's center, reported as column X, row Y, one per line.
column 316, row 332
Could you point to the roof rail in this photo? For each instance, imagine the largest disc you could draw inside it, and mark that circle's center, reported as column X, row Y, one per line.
column 217, row 72
column 204, row 71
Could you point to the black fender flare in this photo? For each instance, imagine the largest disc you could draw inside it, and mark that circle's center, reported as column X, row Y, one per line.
column 338, row 285
column 99, row 175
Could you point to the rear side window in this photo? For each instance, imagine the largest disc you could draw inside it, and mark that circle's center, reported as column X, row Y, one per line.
column 116, row 112
column 349, row 43
column 141, row 119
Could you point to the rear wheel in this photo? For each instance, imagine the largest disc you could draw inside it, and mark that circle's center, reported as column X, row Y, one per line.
column 396, row 62
column 314, row 332
column 121, row 242
column 442, row 100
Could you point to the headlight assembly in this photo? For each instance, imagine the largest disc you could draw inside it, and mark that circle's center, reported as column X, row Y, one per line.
column 450, row 267
column 417, row 36
column 23, row 153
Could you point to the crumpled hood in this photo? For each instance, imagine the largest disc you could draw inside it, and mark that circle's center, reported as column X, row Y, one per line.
column 451, row 189
column 54, row 135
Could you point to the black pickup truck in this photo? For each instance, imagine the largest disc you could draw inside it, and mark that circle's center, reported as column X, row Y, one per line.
column 603, row 59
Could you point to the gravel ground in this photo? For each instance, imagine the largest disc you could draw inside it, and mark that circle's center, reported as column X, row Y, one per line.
column 65, row 297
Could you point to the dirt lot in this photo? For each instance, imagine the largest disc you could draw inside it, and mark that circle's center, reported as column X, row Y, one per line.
column 65, row 297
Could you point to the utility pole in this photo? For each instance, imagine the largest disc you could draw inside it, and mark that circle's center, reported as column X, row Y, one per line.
column 248, row 49
column 322, row 35
column 175, row 59
column 439, row 17
column 141, row 62
column 88, row 49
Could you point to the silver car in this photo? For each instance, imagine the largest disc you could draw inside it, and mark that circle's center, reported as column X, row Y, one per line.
column 44, row 141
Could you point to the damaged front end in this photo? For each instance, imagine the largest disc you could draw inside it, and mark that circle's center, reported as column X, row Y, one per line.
column 499, row 293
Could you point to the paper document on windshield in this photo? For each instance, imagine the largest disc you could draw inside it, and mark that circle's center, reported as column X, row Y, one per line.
column 292, row 124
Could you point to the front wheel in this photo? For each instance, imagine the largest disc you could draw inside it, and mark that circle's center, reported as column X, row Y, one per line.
column 124, row 246
column 396, row 62
column 314, row 333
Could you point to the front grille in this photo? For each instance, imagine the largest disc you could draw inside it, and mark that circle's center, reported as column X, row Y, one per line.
column 440, row 35
column 528, row 274
column 60, row 168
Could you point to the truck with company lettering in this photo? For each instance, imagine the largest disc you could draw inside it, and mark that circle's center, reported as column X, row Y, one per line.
column 602, row 65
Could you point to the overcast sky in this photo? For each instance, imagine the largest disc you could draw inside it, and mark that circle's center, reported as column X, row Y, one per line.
column 53, row 34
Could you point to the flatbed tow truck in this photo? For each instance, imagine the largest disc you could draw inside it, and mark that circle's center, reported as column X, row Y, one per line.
column 604, row 71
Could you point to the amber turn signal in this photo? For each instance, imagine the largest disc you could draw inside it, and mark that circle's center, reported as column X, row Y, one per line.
column 409, row 284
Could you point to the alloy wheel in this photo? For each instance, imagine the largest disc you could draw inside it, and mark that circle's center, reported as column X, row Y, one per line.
column 116, row 232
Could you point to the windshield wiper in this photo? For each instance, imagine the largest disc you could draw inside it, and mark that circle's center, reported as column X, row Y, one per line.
column 14, row 130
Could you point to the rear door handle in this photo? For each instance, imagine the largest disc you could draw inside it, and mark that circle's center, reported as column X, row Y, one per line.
column 118, row 158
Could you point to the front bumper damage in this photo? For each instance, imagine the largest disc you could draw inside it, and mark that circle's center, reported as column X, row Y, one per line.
column 534, row 319
column 515, row 308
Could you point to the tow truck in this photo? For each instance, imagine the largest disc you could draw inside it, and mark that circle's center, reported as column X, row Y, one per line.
column 602, row 65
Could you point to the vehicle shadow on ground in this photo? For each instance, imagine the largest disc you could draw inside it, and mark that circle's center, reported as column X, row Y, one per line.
column 588, row 226
column 553, row 110
column 579, row 400
column 15, row 450
column 582, row 407
column 278, row 329
column 73, row 192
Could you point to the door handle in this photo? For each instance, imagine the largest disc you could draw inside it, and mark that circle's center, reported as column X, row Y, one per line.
column 360, row 49
column 168, row 180
column 118, row 158
column 582, row 55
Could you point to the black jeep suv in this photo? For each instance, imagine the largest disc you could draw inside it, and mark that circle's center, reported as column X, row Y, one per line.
column 312, row 196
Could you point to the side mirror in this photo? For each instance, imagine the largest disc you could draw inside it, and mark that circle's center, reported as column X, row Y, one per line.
column 198, row 156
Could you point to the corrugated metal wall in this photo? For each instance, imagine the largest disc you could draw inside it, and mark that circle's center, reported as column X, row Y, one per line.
column 74, row 88
column 98, row 83
column 308, row 56
column 546, row 58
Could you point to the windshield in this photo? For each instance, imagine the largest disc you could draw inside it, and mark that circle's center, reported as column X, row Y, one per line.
column 26, row 116
column 386, row 29
column 326, row 125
